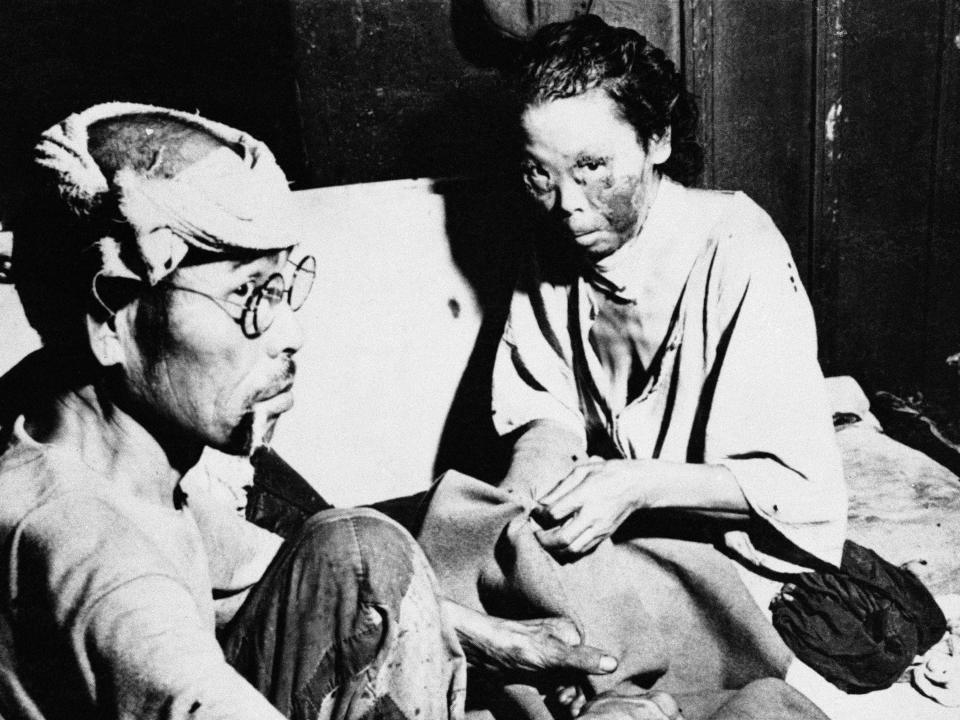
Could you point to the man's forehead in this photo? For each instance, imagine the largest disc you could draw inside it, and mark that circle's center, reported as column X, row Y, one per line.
column 234, row 264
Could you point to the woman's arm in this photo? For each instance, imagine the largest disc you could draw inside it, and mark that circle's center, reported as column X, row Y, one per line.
column 768, row 446
column 598, row 496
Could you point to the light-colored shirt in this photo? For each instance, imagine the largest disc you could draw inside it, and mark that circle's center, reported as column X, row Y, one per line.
column 717, row 321
column 106, row 607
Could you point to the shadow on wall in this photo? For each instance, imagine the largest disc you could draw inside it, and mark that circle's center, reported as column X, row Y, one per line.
column 403, row 91
column 342, row 92
column 231, row 60
column 476, row 39
column 487, row 228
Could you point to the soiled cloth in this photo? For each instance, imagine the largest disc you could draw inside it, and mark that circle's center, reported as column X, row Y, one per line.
column 735, row 381
column 673, row 611
column 234, row 198
column 480, row 540
column 108, row 607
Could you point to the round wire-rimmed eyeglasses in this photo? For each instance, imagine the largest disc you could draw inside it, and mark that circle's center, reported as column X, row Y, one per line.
column 259, row 310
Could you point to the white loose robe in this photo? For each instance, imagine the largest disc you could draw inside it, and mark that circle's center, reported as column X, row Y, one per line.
column 736, row 383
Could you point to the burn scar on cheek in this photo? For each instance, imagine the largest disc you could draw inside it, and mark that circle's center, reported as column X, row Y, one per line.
column 624, row 202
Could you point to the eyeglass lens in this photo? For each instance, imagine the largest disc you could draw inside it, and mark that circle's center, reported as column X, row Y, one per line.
column 302, row 281
column 261, row 307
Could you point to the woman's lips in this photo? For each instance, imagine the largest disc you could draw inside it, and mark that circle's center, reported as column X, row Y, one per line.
column 585, row 237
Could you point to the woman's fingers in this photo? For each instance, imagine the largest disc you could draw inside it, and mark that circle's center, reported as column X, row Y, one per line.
column 587, row 544
column 559, row 538
column 576, row 476
column 586, row 541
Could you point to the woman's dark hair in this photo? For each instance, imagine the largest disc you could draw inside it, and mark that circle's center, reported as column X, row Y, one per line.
column 567, row 59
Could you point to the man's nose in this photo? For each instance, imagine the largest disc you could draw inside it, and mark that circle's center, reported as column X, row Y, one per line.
column 285, row 335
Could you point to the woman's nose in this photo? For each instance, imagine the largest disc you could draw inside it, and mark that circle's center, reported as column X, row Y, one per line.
column 570, row 196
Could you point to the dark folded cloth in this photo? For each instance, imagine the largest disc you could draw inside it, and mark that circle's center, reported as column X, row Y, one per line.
column 281, row 499
column 861, row 625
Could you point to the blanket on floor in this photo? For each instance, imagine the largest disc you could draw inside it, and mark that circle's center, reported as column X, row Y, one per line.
column 674, row 611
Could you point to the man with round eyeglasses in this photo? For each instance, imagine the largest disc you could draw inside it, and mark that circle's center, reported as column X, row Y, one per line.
column 159, row 267
column 257, row 311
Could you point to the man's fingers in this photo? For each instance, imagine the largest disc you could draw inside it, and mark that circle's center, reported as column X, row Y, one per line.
column 563, row 629
column 576, row 707
column 585, row 658
column 667, row 705
column 635, row 705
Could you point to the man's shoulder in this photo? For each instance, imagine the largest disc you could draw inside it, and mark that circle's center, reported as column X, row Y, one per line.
column 56, row 512
column 42, row 489
column 29, row 477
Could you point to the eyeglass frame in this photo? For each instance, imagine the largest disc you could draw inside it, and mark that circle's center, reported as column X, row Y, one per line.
column 257, row 295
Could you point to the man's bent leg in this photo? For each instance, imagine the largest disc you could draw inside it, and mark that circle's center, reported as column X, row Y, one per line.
column 346, row 624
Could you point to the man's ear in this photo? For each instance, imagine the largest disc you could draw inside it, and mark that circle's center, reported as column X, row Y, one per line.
column 105, row 341
column 659, row 148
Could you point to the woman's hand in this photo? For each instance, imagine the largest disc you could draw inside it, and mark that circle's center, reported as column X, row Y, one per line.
column 598, row 495
column 590, row 504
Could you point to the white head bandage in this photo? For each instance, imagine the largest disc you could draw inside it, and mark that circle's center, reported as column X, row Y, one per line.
column 235, row 198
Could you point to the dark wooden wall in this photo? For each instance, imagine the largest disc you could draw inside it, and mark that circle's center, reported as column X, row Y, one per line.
column 228, row 59
column 841, row 117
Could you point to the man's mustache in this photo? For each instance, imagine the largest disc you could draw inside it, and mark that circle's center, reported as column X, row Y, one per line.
column 280, row 381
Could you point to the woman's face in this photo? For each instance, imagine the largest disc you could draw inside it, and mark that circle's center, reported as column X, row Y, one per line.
column 588, row 169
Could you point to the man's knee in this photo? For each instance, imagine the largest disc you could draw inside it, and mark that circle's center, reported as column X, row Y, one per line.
column 379, row 613
column 362, row 547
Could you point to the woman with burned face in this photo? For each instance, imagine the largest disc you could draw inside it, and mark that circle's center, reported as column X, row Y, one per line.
column 660, row 355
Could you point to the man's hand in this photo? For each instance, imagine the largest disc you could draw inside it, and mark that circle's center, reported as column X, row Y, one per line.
column 545, row 644
column 515, row 648
column 590, row 504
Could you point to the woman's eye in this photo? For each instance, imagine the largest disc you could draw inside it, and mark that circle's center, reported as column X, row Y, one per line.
column 536, row 178
column 592, row 165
